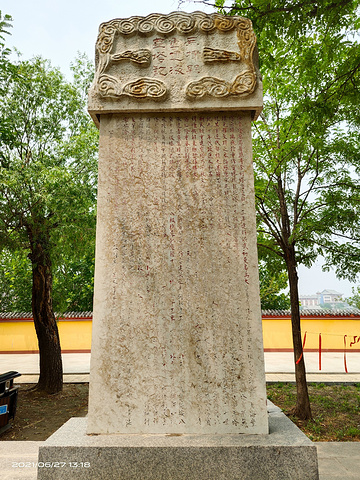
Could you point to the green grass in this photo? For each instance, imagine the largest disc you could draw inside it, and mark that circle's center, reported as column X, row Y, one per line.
column 335, row 410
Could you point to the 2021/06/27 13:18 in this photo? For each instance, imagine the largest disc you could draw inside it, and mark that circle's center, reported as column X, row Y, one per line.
column 50, row 464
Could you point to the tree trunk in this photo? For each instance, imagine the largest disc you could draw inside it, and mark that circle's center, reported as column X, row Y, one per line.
column 302, row 408
column 51, row 372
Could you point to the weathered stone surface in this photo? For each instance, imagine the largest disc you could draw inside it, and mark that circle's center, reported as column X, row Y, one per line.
column 177, row 341
column 176, row 62
column 177, row 344
column 286, row 453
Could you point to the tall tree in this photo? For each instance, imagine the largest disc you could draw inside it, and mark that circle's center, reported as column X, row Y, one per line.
column 306, row 149
column 73, row 279
column 47, row 184
column 273, row 282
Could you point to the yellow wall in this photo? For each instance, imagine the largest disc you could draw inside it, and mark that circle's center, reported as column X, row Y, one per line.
column 20, row 336
column 277, row 333
column 75, row 335
column 17, row 336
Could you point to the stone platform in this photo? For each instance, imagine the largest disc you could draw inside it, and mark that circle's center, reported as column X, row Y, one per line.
column 286, row 453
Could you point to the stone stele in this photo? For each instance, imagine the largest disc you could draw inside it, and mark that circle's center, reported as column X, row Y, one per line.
column 177, row 342
column 177, row 367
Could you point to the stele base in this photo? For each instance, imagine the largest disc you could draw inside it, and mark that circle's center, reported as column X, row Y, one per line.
column 285, row 453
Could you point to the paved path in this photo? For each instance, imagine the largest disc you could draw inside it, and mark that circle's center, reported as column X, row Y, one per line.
column 13, row 458
column 337, row 461
column 279, row 367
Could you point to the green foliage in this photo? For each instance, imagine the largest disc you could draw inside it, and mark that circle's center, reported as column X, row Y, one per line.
column 273, row 282
column 306, row 147
column 73, row 281
column 6, row 67
column 354, row 301
column 15, row 281
column 5, row 24
column 270, row 292
column 291, row 18
column 305, row 151
column 48, row 172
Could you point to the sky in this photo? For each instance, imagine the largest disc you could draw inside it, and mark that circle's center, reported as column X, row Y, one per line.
column 58, row 30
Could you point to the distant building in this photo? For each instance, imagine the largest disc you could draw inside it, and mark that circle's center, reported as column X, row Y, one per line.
column 330, row 297
column 309, row 301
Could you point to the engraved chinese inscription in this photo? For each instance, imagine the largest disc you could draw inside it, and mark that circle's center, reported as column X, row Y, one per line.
column 176, row 50
column 184, row 268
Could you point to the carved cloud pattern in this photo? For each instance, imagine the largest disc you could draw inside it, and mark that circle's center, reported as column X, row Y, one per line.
column 215, row 87
column 184, row 23
column 141, row 88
